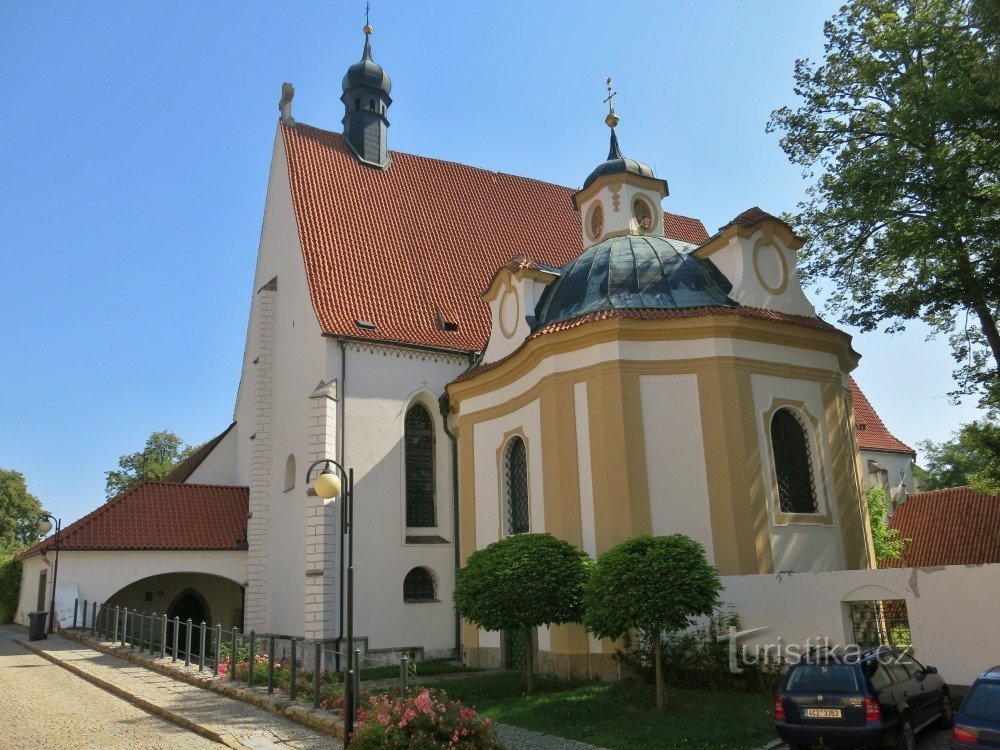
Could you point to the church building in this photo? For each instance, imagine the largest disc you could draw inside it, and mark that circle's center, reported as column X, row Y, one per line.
column 493, row 355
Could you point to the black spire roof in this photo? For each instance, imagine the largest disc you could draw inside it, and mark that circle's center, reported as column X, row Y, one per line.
column 634, row 272
column 367, row 72
column 617, row 163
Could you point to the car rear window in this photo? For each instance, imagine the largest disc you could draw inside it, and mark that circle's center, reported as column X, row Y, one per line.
column 983, row 701
column 829, row 678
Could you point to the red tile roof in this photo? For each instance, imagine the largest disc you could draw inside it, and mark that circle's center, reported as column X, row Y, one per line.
column 415, row 244
column 872, row 433
column 161, row 516
column 752, row 217
column 957, row 526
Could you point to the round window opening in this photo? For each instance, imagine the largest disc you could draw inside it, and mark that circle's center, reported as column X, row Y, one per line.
column 596, row 221
column 643, row 214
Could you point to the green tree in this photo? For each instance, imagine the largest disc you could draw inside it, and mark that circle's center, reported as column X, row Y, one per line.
column 19, row 512
column 163, row 451
column 899, row 132
column 971, row 457
column 653, row 584
column 522, row 582
column 887, row 543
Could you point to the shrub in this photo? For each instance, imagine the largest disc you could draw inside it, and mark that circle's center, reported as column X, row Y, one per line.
column 10, row 587
column 424, row 720
column 699, row 658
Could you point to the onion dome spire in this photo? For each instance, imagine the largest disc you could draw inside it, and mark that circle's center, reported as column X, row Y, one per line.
column 366, row 101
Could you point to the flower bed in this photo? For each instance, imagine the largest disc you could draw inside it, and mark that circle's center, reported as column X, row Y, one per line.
column 422, row 720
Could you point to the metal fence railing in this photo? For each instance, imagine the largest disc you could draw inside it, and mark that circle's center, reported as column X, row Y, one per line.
column 287, row 663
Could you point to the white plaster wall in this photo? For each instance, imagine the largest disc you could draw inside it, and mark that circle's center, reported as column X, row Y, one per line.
column 298, row 364
column 517, row 298
column 488, row 438
column 100, row 574
column 675, row 457
column 380, row 386
column 220, row 466
column 798, row 546
column 951, row 609
column 898, row 465
column 647, row 351
column 737, row 262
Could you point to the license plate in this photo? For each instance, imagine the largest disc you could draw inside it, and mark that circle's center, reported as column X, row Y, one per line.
column 824, row 713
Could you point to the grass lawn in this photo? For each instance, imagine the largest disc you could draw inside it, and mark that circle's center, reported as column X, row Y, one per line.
column 424, row 669
column 619, row 715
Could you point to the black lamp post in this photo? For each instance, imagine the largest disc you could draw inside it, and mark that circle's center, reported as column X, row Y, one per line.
column 45, row 522
column 327, row 485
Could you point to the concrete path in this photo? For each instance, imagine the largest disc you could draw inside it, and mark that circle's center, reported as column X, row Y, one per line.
column 45, row 706
column 202, row 712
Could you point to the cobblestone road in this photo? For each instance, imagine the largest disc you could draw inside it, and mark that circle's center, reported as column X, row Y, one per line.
column 44, row 706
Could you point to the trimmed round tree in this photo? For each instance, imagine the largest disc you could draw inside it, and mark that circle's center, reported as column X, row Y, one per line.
column 652, row 584
column 522, row 582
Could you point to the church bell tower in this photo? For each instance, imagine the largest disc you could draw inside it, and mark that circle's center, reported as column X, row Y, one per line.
column 366, row 101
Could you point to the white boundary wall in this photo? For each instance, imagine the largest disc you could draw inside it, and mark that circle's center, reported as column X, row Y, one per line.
column 954, row 611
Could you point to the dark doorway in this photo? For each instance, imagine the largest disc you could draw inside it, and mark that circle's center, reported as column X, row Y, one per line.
column 189, row 604
column 42, row 582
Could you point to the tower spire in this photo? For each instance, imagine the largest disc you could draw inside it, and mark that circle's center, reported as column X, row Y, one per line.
column 612, row 121
column 367, row 55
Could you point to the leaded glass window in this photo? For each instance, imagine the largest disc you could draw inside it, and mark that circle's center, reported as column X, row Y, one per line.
column 418, row 586
column 515, row 483
column 418, row 448
column 793, row 463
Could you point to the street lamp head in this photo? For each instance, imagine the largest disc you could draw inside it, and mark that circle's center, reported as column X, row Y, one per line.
column 327, row 484
column 44, row 525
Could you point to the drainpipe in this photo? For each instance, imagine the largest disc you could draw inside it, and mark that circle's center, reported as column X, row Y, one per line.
column 342, row 429
column 444, row 403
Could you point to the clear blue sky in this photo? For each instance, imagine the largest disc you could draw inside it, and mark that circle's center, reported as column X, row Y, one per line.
column 135, row 149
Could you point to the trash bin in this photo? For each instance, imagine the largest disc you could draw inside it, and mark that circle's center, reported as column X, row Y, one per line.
column 36, row 625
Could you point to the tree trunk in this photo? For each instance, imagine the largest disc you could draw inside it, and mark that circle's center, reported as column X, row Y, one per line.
column 529, row 660
column 661, row 693
column 989, row 326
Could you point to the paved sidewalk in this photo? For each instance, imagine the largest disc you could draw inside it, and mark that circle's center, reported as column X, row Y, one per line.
column 219, row 717
column 231, row 722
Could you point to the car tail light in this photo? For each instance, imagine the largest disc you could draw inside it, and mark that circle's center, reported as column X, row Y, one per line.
column 961, row 734
column 779, row 709
column 872, row 710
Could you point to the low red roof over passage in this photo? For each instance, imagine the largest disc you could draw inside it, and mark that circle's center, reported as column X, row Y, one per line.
column 872, row 433
column 160, row 515
column 957, row 526
column 413, row 246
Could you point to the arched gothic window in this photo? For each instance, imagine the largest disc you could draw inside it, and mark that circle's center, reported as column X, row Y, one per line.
column 515, row 487
column 289, row 472
column 418, row 449
column 418, row 586
column 793, row 463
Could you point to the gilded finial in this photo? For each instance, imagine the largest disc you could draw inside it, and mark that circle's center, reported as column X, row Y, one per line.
column 368, row 26
column 612, row 119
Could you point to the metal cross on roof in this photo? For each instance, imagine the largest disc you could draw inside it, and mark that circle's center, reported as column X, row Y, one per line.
column 611, row 96
column 612, row 118
column 368, row 7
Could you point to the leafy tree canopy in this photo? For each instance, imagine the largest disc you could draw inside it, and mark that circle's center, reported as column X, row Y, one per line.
column 971, row 457
column 888, row 545
column 899, row 132
column 19, row 512
column 163, row 451
column 652, row 584
column 521, row 582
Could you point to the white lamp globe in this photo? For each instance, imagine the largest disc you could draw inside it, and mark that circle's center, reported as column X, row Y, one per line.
column 44, row 526
column 327, row 484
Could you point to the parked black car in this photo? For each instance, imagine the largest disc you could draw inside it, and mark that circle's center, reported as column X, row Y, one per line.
column 977, row 722
column 877, row 697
